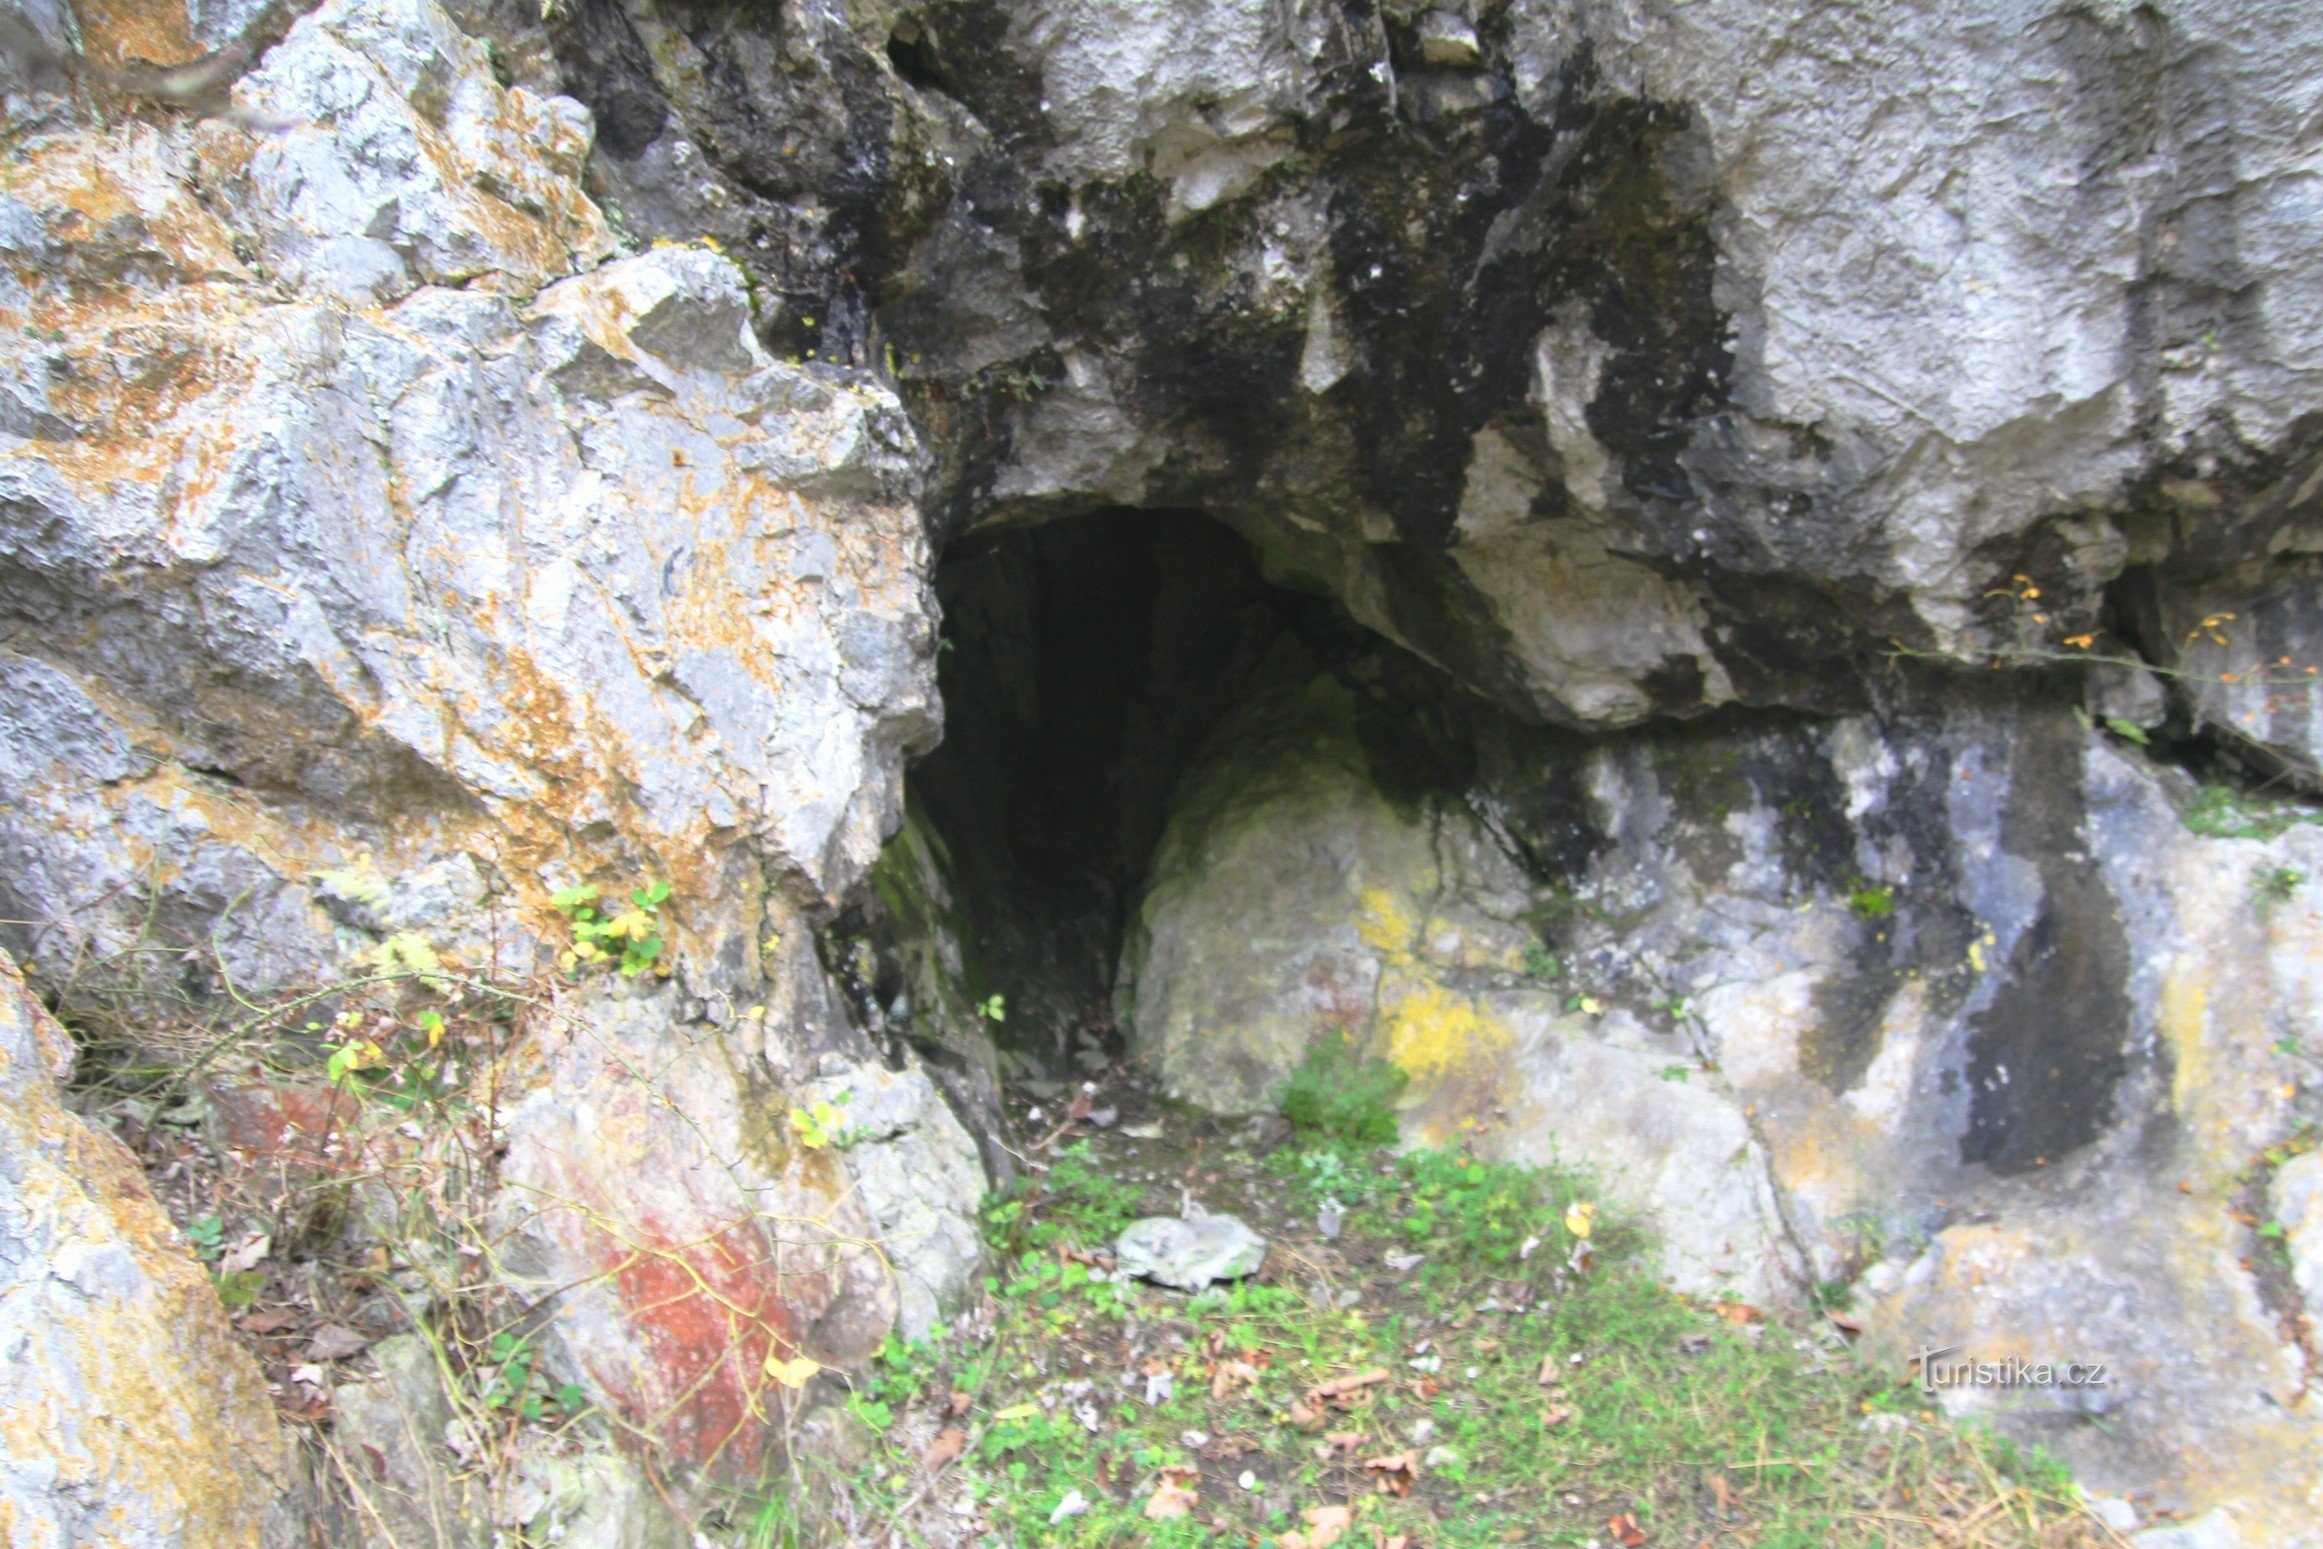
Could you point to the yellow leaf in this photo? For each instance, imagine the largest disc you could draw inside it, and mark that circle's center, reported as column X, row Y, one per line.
column 1016, row 1412
column 1580, row 1218
column 793, row 1373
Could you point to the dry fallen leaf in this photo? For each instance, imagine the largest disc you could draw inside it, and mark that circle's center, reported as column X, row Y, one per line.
column 1548, row 1376
column 333, row 1342
column 1555, row 1415
column 1171, row 1498
column 1231, row 1375
column 1397, row 1471
column 1740, row 1312
column 1326, row 1525
column 1305, row 1414
column 793, row 1373
column 1722, row 1492
column 245, row 1254
column 950, row 1442
column 1342, row 1389
column 1625, row 1531
column 1343, row 1441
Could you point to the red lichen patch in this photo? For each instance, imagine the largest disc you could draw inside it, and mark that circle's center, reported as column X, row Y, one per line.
column 710, row 1316
column 286, row 1122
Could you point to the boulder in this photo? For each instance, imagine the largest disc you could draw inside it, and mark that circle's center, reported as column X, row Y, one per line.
column 129, row 1413
column 1189, row 1252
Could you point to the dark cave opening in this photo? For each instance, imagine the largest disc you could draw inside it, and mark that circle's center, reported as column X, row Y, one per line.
column 1084, row 664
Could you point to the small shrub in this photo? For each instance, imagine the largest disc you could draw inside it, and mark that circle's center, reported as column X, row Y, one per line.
column 1337, row 1096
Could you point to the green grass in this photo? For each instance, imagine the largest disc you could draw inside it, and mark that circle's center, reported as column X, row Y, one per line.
column 1335, row 1097
column 1075, row 1201
column 1563, row 1385
column 2221, row 812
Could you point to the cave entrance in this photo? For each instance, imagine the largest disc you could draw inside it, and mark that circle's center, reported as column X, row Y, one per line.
column 1084, row 663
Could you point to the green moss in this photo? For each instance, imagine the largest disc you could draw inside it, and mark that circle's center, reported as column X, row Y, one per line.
column 2221, row 812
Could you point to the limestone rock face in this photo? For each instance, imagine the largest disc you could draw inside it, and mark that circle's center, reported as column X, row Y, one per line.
column 128, row 1413
column 1949, row 1003
column 380, row 554
column 495, row 447
column 1293, row 898
column 1620, row 358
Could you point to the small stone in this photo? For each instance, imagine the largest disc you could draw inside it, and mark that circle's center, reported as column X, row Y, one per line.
column 1441, row 1457
column 1422, row 1430
column 2113, row 1511
column 1152, row 1131
column 1448, row 38
column 1329, row 1221
column 1189, row 1253
column 1073, row 1505
column 1248, row 1480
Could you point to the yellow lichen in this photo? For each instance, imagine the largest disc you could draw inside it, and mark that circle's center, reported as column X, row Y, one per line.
column 1386, row 925
column 1434, row 1032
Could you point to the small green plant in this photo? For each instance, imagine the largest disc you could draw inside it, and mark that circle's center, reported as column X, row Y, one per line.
column 629, row 939
column 208, row 1235
column 2220, row 812
column 1540, row 963
column 993, row 1008
column 1075, row 1202
column 509, row 1380
column 1327, row 1172
column 1337, row 1096
column 2129, row 731
column 2275, row 885
column 1871, row 900
column 822, row 1123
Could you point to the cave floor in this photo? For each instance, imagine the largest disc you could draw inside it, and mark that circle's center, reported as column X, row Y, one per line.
column 1454, row 1367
